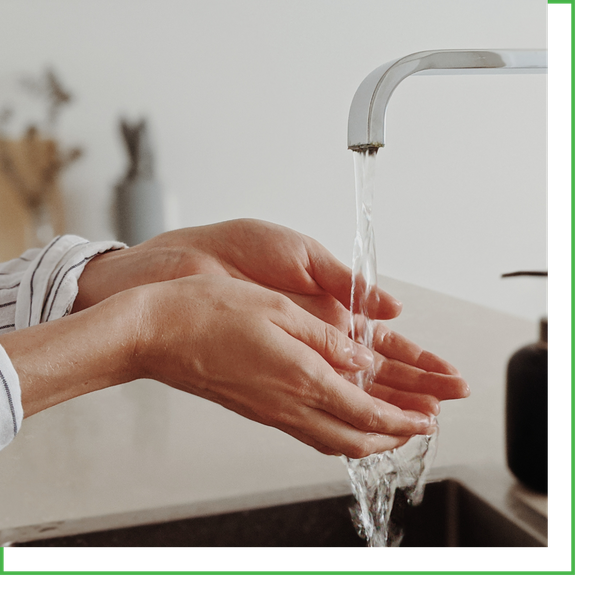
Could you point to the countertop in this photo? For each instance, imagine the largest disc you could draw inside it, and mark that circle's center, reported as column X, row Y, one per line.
column 143, row 452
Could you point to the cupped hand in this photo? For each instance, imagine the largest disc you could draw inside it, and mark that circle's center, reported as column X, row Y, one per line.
column 285, row 261
column 257, row 353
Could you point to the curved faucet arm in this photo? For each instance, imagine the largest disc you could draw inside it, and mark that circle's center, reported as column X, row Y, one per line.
column 366, row 124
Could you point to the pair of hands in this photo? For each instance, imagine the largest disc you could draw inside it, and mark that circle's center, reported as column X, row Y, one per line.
column 256, row 317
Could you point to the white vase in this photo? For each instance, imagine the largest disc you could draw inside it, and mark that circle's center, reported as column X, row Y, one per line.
column 139, row 210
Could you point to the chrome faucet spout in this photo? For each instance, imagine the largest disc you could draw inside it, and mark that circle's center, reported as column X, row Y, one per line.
column 366, row 124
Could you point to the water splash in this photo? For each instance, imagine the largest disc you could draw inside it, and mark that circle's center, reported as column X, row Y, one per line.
column 384, row 484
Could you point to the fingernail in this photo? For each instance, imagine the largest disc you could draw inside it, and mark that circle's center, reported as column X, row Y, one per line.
column 428, row 423
column 432, row 427
column 362, row 357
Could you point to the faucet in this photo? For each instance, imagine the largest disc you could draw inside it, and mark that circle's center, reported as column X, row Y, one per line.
column 366, row 123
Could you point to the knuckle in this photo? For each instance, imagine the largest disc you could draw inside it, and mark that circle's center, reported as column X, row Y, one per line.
column 360, row 448
column 337, row 315
column 304, row 384
column 282, row 304
column 369, row 419
column 357, row 451
column 381, row 335
column 367, row 447
column 332, row 341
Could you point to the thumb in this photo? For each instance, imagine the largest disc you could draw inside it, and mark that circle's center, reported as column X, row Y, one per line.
column 336, row 279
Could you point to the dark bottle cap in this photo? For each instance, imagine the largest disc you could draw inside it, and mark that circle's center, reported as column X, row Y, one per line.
column 544, row 321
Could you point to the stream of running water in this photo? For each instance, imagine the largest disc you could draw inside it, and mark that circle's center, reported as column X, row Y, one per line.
column 384, row 484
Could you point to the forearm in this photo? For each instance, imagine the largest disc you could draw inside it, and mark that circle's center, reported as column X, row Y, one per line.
column 69, row 357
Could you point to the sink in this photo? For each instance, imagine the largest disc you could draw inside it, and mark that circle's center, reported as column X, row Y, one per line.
column 450, row 515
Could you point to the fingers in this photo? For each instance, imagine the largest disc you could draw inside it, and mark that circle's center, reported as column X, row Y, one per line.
column 359, row 424
column 354, row 406
column 342, row 414
column 407, row 378
column 410, row 377
column 333, row 345
column 324, row 307
column 407, row 394
column 395, row 346
column 373, row 302
column 336, row 278
column 424, row 403
column 347, row 440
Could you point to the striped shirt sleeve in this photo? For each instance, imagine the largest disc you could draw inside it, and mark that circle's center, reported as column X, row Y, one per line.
column 38, row 286
column 11, row 411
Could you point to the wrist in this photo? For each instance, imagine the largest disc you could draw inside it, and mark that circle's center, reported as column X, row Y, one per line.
column 98, row 279
column 72, row 356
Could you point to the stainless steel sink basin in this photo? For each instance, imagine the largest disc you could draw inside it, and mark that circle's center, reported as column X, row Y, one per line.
column 450, row 515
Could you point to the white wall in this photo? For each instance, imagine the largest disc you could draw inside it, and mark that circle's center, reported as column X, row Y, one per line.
column 248, row 101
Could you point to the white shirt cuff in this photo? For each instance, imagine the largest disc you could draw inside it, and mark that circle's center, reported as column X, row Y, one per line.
column 40, row 286
column 49, row 286
column 11, row 411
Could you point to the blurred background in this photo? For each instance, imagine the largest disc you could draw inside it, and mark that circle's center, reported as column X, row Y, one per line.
column 239, row 108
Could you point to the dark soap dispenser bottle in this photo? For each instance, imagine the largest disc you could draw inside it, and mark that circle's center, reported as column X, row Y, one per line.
column 527, row 410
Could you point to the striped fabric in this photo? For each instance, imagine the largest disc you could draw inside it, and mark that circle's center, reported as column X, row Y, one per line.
column 39, row 286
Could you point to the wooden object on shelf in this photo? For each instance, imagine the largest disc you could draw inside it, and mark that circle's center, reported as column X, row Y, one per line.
column 31, row 159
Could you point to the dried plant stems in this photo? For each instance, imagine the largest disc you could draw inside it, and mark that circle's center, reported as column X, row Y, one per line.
column 45, row 159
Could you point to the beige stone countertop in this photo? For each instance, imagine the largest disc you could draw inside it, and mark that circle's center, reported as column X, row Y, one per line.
column 142, row 452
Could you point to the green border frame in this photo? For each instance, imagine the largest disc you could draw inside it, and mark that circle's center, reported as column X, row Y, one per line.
column 572, row 571
column 572, row 282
